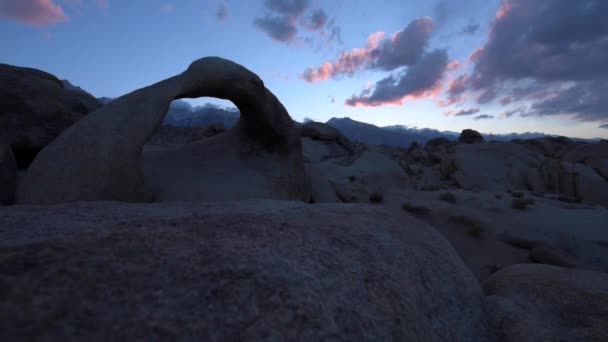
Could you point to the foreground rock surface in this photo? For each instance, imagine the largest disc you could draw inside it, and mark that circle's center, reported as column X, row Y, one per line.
column 100, row 157
column 549, row 303
column 231, row 271
column 35, row 107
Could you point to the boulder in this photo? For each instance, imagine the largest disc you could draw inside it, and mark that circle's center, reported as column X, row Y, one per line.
column 493, row 166
column 8, row 175
column 249, row 270
column 100, row 157
column 575, row 180
column 593, row 155
column 35, row 107
column 533, row 302
column 469, row 136
column 323, row 132
column 551, row 256
column 551, row 147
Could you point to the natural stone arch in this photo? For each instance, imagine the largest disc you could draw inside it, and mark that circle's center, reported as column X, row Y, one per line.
column 99, row 157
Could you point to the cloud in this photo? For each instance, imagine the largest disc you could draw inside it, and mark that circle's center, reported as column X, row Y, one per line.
column 283, row 19
column 456, row 90
column 33, row 12
column 603, row 126
column 463, row 112
column 318, row 19
column 347, row 63
column 403, row 48
column 422, row 79
column 103, row 3
column 470, row 29
column 560, row 47
column 483, row 117
column 222, row 12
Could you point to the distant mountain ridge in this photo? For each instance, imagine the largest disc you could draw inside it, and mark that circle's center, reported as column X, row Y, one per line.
column 183, row 114
column 402, row 136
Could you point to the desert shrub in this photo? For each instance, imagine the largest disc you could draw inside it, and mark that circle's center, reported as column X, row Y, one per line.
column 474, row 227
column 529, row 201
column 448, row 197
column 517, row 194
column 498, row 196
column 519, row 204
column 376, row 197
column 352, row 178
column 416, row 209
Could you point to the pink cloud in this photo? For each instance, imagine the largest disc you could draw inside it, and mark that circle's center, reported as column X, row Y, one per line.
column 33, row 12
column 504, row 8
column 347, row 63
column 454, row 65
column 103, row 3
column 474, row 57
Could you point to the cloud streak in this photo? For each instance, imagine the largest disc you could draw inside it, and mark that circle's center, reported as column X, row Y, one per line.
column 33, row 12
column 463, row 112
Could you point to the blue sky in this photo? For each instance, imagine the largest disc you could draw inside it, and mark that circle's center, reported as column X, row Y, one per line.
column 497, row 66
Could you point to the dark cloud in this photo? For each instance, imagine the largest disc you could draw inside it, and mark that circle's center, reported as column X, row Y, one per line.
column 604, row 126
column 470, row 29
column 464, row 112
column 277, row 28
column 483, row 117
column 420, row 80
column 560, row 46
column 405, row 47
column 289, row 8
column 509, row 113
column 316, row 21
column 585, row 101
column 283, row 19
column 222, row 12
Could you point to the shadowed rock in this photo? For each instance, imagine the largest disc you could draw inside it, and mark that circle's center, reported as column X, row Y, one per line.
column 233, row 271
column 8, row 175
column 99, row 158
column 35, row 107
column 548, row 303
column 469, row 136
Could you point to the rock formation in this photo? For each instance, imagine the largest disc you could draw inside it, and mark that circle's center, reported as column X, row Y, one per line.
column 99, row 158
column 469, row 136
column 8, row 175
column 35, row 107
column 253, row 270
column 549, row 303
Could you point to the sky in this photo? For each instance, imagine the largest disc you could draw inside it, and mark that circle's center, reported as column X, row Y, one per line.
column 496, row 66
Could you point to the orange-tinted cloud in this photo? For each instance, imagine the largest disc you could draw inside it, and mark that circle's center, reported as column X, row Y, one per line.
column 33, row 12
column 348, row 62
column 423, row 79
column 403, row 48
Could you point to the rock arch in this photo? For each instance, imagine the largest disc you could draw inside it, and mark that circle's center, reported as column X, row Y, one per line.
column 100, row 157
